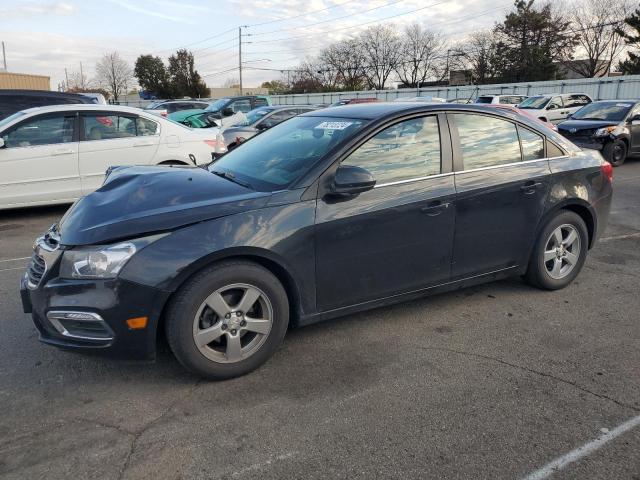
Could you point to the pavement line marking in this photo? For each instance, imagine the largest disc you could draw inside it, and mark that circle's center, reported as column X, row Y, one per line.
column 15, row 259
column 8, row 269
column 584, row 450
column 620, row 237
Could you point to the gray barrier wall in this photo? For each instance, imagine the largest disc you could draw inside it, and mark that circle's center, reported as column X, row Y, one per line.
column 605, row 88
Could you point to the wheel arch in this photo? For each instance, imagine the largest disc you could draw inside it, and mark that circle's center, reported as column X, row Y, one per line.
column 261, row 257
column 173, row 162
column 577, row 206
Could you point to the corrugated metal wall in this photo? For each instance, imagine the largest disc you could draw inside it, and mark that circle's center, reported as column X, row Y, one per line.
column 605, row 88
column 24, row 81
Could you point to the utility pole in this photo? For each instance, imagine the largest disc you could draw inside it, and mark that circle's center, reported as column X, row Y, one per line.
column 66, row 75
column 4, row 57
column 81, row 77
column 240, row 56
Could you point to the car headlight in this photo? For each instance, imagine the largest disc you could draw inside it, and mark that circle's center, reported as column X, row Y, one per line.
column 100, row 261
column 615, row 130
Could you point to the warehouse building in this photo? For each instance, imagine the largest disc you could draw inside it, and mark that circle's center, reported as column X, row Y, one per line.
column 24, row 81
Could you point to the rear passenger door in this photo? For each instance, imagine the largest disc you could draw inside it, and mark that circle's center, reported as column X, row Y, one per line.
column 39, row 162
column 108, row 139
column 502, row 182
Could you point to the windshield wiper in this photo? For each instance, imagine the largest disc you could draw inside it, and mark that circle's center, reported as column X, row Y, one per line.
column 232, row 178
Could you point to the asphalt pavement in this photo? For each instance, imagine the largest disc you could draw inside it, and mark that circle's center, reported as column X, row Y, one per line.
column 490, row 382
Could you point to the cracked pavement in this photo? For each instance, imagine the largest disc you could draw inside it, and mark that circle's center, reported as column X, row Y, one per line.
column 488, row 382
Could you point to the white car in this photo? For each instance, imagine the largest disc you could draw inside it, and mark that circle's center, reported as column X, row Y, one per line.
column 555, row 108
column 59, row 153
column 511, row 99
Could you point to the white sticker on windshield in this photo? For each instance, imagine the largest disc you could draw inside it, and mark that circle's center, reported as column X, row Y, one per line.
column 623, row 105
column 333, row 125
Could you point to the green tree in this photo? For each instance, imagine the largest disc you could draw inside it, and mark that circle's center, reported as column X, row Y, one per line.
column 532, row 42
column 631, row 65
column 276, row 87
column 153, row 76
column 184, row 78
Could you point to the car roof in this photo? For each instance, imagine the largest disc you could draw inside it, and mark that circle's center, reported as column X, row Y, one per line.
column 81, row 106
column 372, row 111
column 41, row 93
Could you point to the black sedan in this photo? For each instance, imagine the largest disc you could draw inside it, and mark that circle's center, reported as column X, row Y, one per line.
column 259, row 120
column 611, row 126
column 331, row 212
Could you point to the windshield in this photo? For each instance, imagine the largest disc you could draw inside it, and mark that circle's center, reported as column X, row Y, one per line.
column 276, row 158
column 217, row 105
column 10, row 118
column 609, row 111
column 484, row 99
column 253, row 116
column 534, row 103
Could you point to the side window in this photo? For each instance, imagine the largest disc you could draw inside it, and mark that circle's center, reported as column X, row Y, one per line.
column 487, row 141
column 554, row 103
column 108, row 127
column 532, row 144
column 41, row 131
column 279, row 117
column 406, row 150
column 145, row 127
column 554, row 151
column 241, row 106
column 260, row 102
column 584, row 100
column 577, row 101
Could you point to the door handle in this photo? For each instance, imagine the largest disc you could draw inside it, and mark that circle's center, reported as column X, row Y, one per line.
column 530, row 187
column 62, row 151
column 435, row 208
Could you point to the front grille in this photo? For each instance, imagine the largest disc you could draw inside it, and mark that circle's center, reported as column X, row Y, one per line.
column 36, row 270
column 580, row 135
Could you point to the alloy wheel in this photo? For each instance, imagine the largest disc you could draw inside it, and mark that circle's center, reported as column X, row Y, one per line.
column 562, row 251
column 232, row 323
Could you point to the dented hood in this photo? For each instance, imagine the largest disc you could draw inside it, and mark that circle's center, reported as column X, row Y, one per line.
column 135, row 201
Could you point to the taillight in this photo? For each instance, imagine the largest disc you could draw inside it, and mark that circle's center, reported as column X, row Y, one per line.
column 607, row 170
column 217, row 145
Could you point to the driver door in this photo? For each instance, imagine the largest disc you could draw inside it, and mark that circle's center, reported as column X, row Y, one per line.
column 555, row 110
column 397, row 237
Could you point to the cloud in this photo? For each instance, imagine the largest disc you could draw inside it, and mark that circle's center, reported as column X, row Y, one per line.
column 27, row 9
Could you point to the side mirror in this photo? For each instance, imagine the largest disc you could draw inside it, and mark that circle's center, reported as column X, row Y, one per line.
column 2, row 145
column 227, row 112
column 351, row 180
column 553, row 106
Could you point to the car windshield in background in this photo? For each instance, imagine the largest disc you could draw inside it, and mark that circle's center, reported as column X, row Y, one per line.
column 253, row 116
column 199, row 120
column 217, row 105
column 281, row 155
column 608, row 111
column 534, row 103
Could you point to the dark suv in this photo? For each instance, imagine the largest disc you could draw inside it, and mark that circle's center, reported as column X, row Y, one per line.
column 12, row 101
column 331, row 212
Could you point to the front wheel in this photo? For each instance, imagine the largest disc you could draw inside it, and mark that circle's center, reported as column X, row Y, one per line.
column 559, row 253
column 615, row 152
column 227, row 320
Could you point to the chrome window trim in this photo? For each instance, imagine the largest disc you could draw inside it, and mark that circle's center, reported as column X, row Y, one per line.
column 409, row 180
column 491, row 167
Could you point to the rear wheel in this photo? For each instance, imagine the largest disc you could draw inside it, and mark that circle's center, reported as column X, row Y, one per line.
column 615, row 152
column 559, row 253
column 227, row 320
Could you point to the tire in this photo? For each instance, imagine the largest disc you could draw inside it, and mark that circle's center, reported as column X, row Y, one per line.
column 546, row 274
column 615, row 152
column 235, row 349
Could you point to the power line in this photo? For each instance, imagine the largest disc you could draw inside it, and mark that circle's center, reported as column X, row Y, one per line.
column 329, row 20
column 299, row 15
column 197, row 42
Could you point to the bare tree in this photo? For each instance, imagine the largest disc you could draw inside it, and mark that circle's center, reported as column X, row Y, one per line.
column 381, row 47
column 421, row 54
column 597, row 25
column 114, row 74
column 479, row 53
column 346, row 61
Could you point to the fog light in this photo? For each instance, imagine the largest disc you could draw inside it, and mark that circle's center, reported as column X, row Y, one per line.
column 137, row 323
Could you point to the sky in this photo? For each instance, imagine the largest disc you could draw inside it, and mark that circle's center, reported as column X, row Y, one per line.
column 47, row 36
